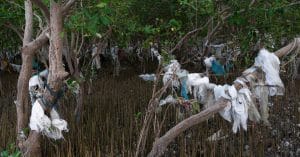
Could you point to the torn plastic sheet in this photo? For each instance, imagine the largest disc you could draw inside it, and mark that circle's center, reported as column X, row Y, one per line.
column 170, row 73
column 183, row 91
column 269, row 63
column 51, row 127
column 240, row 109
column 156, row 54
column 173, row 67
column 174, row 80
column 261, row 93
column 217, row 68
column 168, row 100
column 96, row 62
column 208, row 61
column 220, row 91
column 237, row 111
column 200, row 92
column 36, row 85
column 219, row 135
column 148, row 77
column 253, row 113
column 196, row 79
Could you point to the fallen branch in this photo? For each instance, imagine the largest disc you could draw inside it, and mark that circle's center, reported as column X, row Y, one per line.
column 161, row 144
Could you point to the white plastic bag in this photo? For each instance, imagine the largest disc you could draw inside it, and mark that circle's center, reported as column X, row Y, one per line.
column 269, row 63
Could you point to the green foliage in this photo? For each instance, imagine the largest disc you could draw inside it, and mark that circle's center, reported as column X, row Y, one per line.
column 11, row 151
column 166, row 57
column 168, row 21
column 138, row 115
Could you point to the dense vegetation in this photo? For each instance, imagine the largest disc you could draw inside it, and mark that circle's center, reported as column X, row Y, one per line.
column 188, row 30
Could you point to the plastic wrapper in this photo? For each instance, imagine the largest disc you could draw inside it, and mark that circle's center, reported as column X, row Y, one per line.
column 168, row 100
column 269, row 63
column 148, row 77
column 51, row 127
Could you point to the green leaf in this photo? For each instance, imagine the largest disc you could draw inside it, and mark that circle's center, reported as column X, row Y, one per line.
column 105, row 20
column 4, row 153
column 16, row 154
column 195, row 107
column 101, row 5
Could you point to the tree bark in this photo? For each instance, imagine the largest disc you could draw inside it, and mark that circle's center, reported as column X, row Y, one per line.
column 31, row 147
column 161, row 143
column 22, row 94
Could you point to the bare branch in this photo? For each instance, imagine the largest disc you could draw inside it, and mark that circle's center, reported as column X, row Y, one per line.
column 33, row 46
column 15, row 29
column 189, row 34
column 289, row 48
column 29, row 22
column 43, row 8
column 67, row 7
column 160, row 145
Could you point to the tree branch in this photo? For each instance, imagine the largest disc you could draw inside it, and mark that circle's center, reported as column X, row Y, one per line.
column 43, row 8
column 15, row 29
column 33, row 46
column 161, row 144
column 189, row 34
column 67, row 7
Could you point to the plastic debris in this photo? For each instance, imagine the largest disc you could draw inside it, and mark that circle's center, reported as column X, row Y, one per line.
column 238, row 109
column 170, row 73
column 168, row 100
column 217, row 68
column 148, row 77
column 219, row 135
column 156, row 54
column 171, row 76
column 184, row 92
column 36, row 84
column 196, row 79
column 16, row 67
column 263, row 79
column 261, row 93
column 269, row 63
column 220, row 92
column 96, row 62
column 201, row 93
column 174, row 66
column 51, row 127
column 208, row 61
column 252, row 111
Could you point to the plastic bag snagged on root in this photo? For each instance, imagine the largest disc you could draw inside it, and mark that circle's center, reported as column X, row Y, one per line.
column 39, row 122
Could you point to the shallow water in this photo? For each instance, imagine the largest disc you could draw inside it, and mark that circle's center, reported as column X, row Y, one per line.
column 113, row 116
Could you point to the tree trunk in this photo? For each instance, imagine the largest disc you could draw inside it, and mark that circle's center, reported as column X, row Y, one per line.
column 22, row 94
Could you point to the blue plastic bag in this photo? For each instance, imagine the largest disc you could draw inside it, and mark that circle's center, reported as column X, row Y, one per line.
column 218, row 68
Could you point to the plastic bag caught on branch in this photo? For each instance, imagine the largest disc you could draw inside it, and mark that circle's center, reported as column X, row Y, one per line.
column 269, row 63
column 237, row 111
column 170, row 73
column 51, row 127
